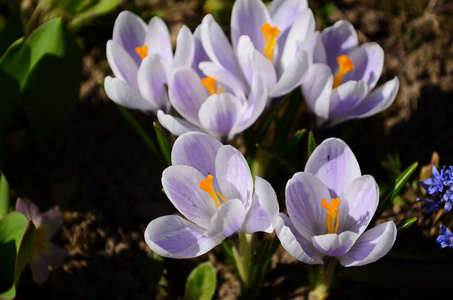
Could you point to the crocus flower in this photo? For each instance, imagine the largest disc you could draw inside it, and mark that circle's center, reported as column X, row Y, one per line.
column 330, row 205
column 338, row 85
column 141, row 58
column 210, row 184
column 44, row 253
column 445, row 239
column 210, row 107
column 270, row 43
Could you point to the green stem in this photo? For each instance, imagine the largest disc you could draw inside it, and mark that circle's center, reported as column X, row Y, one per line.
column 324, row 279
column 243, row 257
column 4, row 196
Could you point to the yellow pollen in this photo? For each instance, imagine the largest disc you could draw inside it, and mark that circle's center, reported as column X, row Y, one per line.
column 333, row 215
column 142, row 51
column 270, row 36
column 206, row 186
column 209, row 84
column 344, row 66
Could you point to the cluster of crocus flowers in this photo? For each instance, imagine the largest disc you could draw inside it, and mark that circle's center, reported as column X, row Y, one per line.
column 45, row 253
column 210, row 184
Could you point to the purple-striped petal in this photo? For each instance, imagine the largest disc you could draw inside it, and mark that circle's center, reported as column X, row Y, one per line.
column 334, row 163
column 52, row 220
column 182, row 186
column 219, row 115
column 304, row 194
column 285, row 12
column 227, row 220
column 266, row 196
column 198, row 150
column 29, row 210
column 256, row 219
column 344, row 99
column 176, row 126
column 175, row 237
column 152, row 78
column 225, row 77
column 335, row 244
column 247, row 17
column 121, row 93
column 371, row 246
column 293, row 242
column 185, row 48
column 122, row 65
column 129, row 32
column 316, row 50
column 359, row 201
column 158, row 39
column 255, row 105
column 338, row 39
column 199, row 55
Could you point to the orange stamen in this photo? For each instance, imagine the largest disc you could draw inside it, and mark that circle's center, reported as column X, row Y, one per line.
column 333, row 215
column 206, row 186
column 270, row 36
column 209, row 84
column 344, row 66
column 142, row 51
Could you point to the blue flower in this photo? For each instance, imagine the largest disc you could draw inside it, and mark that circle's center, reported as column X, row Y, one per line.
column 448, row 199
column 448, row 179
column 429, row 205
column 435, row 184
column 445, row 239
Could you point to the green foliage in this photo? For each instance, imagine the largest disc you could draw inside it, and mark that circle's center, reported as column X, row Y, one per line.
column 12, row 30
column 405, row 225
column 311, row 144
column 164, row 146
column 4, row 196
column 17, row 239
column 201, row 283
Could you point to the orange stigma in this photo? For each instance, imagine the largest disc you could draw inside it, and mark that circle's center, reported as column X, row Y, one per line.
column 344, row 66
column 142, row 51
column 209, row 84
column 270, row 36
column 206, row 186
column 333, row 215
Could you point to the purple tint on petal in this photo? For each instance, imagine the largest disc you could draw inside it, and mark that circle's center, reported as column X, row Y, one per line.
column 285, row 12
column 175, row 237
column 233, row 175
column 52, row 219
column 185, row 49
column 54, row 256
column 266, row 196
column 304, row 193
column 176, row 126
column 293, row 242
column 255, row 105
column 121, row 93
column 345, row 98
column 237, row 84
column 359, row 201
column 335, row 244
column 368, row 60
column 152, row 78
column 28, row 209
column 334, row 163
column 256, row 219
column 371, row 246
column 219, row 115
column 316, row 50
column 316, row 88
column 158, row 39
column 182, row 186
column 122, row 64
column 247, row 17
column 338, row 39
column 39, row 270
column 199, row 55
column 197, row 150
column 129, row 32
column 227, row 220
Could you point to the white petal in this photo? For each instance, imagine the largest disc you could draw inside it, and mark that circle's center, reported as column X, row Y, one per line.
column 176, row 126
column 185, row 48
column 122, row 65
column 121, row 93
column 158, row 39
column 227, row 220
column 335, row 244
column 255, row 105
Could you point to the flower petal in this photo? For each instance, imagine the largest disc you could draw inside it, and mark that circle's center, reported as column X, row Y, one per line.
column 187, row 94
column 129, row 32
column 121, row 93
column 199, row 55
column 371, row 246
column 256, row 219
column 338, row 39
column 233, row 175
column 185, row 48
column 176, row 126
column 227, row 220
column 122, row 64
column 255, row 105
column 304, row 193
column 198, row 150
column 152, row 78
column 316, row 50
column 247, row 17
column 368, row 60
column 52, row 220
column 334, row 163
column 285, row 12
column 335, row 244
column 175, row 237
column 266, row 196
column 224, row 76
column 359, row 201
column 158, row 39
column 294, row 242
column 219, row 115
column 182, row 186
column 39, row 270
column 29, row 210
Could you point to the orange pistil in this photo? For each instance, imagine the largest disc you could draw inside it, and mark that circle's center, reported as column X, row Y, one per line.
column 206, row 186
column 142, row 51
column 333, row 215
column 344, row 66
column 40, row 245
column 270, row 36
column 209, row 84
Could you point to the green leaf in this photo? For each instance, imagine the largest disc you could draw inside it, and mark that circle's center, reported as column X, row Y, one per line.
column 163, row 144
column 17, row 239
column 201, row 283
column 390, row 194
column 4, row 195
column 296, row 139
column 11, row 32
column 311, row 143
column 15, row 62
column 102, row 7
column 405, row 225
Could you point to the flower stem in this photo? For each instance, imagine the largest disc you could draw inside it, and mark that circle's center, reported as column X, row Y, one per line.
column 323, row 280
column 243, row 255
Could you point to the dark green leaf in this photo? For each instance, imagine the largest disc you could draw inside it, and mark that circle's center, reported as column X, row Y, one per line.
column 11, row 32
column 311, row 143
column 4, row 195
column 163, row 144
column 405, row 225
column 17, row 239
column 15, row 62
column 101, row 7
column 201, row 283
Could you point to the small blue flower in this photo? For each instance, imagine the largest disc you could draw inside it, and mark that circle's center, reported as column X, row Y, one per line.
column 435, row 184
column 448, row 179
column 448, row 199
column 429, row 205
column 445, row 239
